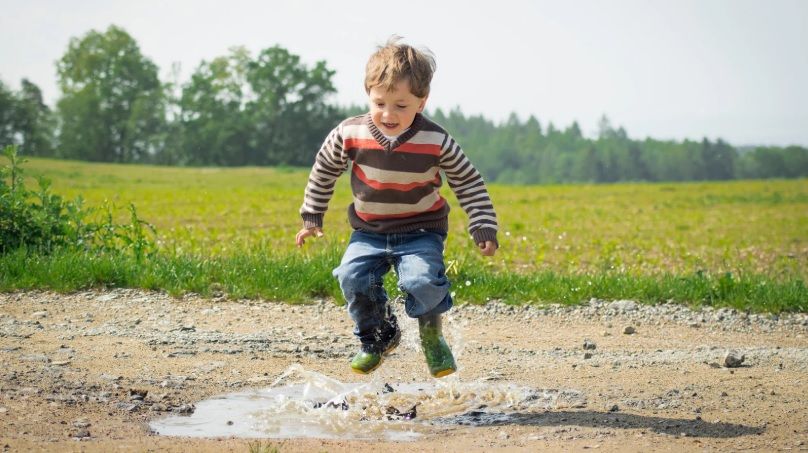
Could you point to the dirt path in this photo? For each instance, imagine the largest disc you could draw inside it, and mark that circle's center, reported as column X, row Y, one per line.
column 88, row 372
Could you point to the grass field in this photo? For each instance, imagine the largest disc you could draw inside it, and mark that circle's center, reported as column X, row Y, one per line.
column 748, row 231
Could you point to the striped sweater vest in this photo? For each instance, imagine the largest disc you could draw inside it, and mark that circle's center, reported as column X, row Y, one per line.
column 396, row 185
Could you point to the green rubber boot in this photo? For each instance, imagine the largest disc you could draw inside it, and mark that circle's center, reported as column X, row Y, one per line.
column 439, row 357
column 371, row 356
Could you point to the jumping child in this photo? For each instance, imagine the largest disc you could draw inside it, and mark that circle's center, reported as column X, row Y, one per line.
column 399, row 218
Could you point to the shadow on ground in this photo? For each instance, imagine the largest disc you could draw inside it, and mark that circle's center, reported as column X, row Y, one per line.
column 674, row 426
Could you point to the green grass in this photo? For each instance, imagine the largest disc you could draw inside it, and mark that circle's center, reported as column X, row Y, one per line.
column 300, row 279
column 742, row 243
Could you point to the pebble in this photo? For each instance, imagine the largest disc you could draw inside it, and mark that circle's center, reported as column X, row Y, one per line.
column 589, row 344
column 629, row 330
column 733, row 360
column 82, row 423
column 185, row 409
column 81, row 434
column 129, row 407
column 623, row 306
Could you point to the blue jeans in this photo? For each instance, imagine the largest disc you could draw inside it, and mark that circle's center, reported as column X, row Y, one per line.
column 418, row 261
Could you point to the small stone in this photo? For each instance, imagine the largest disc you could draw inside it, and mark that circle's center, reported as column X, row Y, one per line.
column 629, row 330
column 39, row 314
column 82, row 423
column 589, row 344
column 137, row 394
column 587, row 355
column 129, row 407
column 81, row 434
column 185, row 409
column 724, row 394
column 733, row 360
column 614, row 408
column 623, row 306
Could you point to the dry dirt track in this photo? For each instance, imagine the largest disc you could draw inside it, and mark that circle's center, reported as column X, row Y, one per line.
column 87, row 371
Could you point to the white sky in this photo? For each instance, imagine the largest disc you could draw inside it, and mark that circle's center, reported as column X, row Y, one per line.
column 673, row 69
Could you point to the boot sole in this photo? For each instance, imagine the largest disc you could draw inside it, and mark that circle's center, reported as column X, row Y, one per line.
column 443, row 373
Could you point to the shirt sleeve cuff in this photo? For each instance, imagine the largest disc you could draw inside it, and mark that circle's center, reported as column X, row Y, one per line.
column 485, row 234
column 312, row 220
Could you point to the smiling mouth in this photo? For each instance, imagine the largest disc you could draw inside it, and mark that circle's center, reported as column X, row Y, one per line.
column 390, row 125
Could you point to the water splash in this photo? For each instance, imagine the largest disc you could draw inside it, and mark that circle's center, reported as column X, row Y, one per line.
column 302, row 403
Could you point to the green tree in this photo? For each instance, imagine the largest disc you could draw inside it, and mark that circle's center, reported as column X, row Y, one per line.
column 113, row 104
column 289, row 109
column 36, row 122
column 271, row 110
column 213, row 126
column 25, row 120
column 8, row 107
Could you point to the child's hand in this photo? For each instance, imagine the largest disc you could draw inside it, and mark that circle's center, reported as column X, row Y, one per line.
column 487, row 248
column 300, row 237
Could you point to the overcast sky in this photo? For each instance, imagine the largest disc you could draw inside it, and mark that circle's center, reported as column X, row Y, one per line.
column 673, row 69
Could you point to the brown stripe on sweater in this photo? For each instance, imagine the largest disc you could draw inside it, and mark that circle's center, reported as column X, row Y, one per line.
column 405, row 162
column 366, row 193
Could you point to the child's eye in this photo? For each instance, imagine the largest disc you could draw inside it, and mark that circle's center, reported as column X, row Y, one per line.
column 402, row 106
column 379, row 104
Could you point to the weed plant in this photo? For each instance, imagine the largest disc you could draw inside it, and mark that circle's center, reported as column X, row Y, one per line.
column 39, row 222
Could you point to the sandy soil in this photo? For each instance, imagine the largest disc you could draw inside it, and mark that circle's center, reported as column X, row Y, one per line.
column 88, row 371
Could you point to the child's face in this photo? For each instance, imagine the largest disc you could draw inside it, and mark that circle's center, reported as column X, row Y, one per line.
column 393, row 111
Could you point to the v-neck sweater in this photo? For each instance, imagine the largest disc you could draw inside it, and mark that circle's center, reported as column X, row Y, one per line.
column 396, row 184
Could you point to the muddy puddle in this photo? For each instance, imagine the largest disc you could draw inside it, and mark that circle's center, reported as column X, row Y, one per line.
column 306, row 404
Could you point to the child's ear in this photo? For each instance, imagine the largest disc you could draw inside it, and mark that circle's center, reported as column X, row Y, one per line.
column 422, row 104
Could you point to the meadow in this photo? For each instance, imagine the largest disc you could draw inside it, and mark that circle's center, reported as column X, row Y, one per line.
column 739, row 243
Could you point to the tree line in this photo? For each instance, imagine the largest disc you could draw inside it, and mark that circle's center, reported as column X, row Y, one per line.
column 271, row 109
column 524, row 152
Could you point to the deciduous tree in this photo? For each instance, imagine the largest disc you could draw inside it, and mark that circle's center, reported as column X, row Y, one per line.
column 113, row 106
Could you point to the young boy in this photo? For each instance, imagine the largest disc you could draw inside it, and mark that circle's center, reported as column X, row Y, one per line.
column 398, row 215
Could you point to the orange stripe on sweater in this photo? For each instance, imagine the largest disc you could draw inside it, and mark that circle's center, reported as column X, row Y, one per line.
column 419, row 148
column 364, row 143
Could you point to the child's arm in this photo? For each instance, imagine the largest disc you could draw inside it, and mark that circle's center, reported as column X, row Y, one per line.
column 469, row 187
column 329, row 164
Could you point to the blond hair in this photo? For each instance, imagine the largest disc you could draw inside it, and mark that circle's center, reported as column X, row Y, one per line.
column 396, row 62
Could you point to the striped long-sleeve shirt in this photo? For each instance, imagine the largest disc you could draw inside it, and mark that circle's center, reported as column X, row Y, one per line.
column 396, row 185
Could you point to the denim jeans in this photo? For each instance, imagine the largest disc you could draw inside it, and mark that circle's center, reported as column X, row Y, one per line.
column 418, row 261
